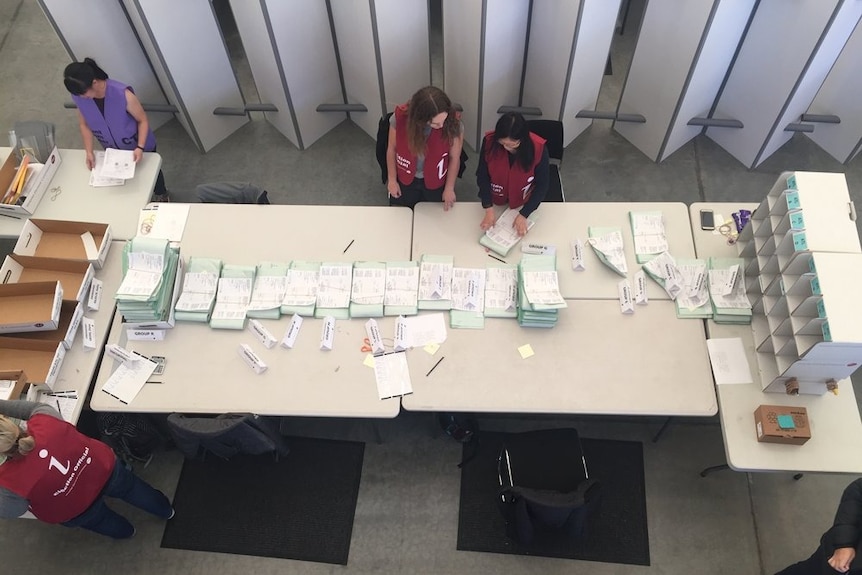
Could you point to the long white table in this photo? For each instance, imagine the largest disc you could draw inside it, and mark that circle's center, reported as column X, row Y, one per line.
column 836, row 429
column 457, row 232
column 70, row 197
column 204, row 373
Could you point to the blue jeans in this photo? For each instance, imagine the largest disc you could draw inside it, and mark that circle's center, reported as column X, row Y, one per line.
column 125, row 485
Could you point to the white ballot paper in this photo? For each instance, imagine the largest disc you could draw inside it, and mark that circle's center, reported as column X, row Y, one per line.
column 334, row 283
column 118, row 164
column 96, row 178
column 301, row 287
column 392, row 375
column 609, row 248
column 143, row 277
column 199, row 289
column 163, row 221
column 129, row 377
column 543, row 288
column 424, row 329
column 729, row 364
column 435, row 281
column 501, row 288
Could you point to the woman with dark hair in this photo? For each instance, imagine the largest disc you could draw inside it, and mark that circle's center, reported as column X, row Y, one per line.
column 513, row 170
column 110, row 111
column 424, row 152
column 62, row 476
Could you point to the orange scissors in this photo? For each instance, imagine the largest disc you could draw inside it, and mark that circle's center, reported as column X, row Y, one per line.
column 366, row 347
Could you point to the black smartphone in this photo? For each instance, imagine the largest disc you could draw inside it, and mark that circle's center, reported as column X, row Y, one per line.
column 707, row 221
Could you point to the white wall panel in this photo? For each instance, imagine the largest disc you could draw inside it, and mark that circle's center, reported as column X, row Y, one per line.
column 114, row 48
column 839, row 95
column 259, row 49
column 307, row 53
column 770, row 62
column 190, row 54
column 462, row 23
column 355, row 38
column 598, row 21
column 723, row 36
column 669, row 37
column 402, row 29
column 828, row 51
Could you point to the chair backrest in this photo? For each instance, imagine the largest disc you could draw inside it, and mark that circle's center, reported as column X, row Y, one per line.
column 552, row 132
column 35, row 138
column 225, row 435
column 383, row 143
column 231, row 193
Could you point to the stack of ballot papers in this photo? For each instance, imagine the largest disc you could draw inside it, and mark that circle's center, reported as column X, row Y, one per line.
column 368, row 289
column 402, row 289
column 502, row 236
column 649, row 235
column 435, row 282
column 130, row 374
column 268, row 291
column 608, row 245
column 727, row 290
column 468, row 298
column 232, row 297
column 501, row 291
column 333, row 290
column 539, row 291
column 199, row 290
column 663, row 269
column 64, row 402
column 300, row 291
column 149, row 270
column 692, row 301
column 97, row 180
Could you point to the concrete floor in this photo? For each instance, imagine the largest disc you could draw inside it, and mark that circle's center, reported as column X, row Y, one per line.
column 406, row 518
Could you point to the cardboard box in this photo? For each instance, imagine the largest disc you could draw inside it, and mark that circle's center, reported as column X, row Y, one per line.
column 40, row 360
column 14, row 389
column 34, row 188
column 782, row 424
column 80, row 241
column 30, row 306
column 71, row 313
column 74, row 276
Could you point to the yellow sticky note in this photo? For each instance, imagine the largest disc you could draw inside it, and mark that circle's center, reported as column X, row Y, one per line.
column 432, row 348
column 369, row 361
column 526, row 351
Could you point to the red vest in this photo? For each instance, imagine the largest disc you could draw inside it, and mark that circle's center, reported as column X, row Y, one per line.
column 64, row 473
column 436, row 154
column 510, row 184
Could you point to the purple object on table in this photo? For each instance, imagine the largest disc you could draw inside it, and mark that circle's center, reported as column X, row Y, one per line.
column 741, row 218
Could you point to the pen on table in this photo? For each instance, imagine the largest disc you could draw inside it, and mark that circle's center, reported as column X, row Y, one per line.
column 498, row 259
column 435, row 366
column 348, row 246
column 58, row 406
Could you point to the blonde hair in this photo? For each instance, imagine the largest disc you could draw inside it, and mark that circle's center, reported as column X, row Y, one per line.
column 13, row 441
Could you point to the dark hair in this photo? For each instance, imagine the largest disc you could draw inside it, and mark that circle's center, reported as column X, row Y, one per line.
column 79, row 76
column 513, row 126
column 423, row 106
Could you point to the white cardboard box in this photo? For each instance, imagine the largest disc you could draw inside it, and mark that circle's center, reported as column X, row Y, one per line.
column 65, row 240
column 34, row 188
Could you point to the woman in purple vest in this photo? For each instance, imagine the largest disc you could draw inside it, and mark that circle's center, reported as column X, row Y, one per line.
column 110, row 111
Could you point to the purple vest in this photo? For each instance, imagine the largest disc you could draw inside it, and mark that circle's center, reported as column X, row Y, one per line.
column 117, row 128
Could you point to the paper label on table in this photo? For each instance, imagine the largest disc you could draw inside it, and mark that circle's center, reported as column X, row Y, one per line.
column 424, row 329
column 327, row 333
column 88, row 332
column 730, row 280
column 627, row 304
column 95, row 297
column 431, row 348
column 640, row 288
column 121, row 354
column 372, row 332
column 251, row 359
column 526, row 351
column 369, row 361
column 392, row 375
column 578, row 256
column 289, row 339
column 729, row 363
column 262, row 334
column 145, row 334
column 539, row 249
column 401, row 333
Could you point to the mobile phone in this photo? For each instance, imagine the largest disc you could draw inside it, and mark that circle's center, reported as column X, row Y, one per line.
column 707, row 221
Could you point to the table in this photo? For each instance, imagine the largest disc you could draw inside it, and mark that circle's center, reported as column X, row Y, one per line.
column 77, row 201
column 836, row 430
column 203, row 372
column 457, row 232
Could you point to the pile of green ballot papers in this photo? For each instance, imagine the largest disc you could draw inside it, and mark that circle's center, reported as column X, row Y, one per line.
column 539, row 291
column 268, row 291
column 232, row 297
column 199, row 290
column 468, row 298
column 368, row 289
column 730, row 305
column 501, row 291
column 435, row 282
column 149, row 270
column 692, row 301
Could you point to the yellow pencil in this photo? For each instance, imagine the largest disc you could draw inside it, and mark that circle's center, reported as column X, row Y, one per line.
column 18, row 182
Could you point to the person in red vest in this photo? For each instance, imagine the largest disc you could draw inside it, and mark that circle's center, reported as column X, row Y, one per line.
column 63, row 476
column 513, row 170
column 110, row 111
column 424, row 151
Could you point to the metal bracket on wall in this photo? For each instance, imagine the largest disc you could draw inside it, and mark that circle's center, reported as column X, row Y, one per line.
column 821, row 118
column 798, row 127
column 598, row 115
column 342, row 108
column 524, row 110
column 170, row 109
column 715, row 123
column 242, row 111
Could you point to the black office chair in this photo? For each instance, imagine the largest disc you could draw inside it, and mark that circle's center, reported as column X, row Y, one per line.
column 544, row 485
column 552, row 132
column 383, row 143
column 231, row 193
column 225, row 435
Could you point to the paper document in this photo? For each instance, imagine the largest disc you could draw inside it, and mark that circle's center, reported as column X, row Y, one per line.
column 543, row 287
column 63, row 401
column 729, row 364
column 369, row 285
column 468, row 290
column 129, row 378
column 334, row 283
column 392, row 375
column 118, row 164
column 163, row 221
column 301, row 288
column 501, row 288
column 268, row 292
column 99, row 181
column 435, row 280
column 402, row 286
column 608, row 245
column 503, row 235
column 424, row 329
column 649, row 234
column 199, row 289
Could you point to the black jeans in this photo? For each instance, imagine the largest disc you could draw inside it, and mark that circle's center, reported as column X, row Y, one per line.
column 416, row 192
column 814, row 565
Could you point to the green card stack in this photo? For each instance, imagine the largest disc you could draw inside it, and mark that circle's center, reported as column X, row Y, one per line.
column 149, row 271
column 539, row 308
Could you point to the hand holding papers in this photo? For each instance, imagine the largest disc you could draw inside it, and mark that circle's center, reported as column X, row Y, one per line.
column 503, row 236
column 97, row 180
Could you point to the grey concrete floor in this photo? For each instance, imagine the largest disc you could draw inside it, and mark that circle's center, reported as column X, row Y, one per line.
column 406, row 518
